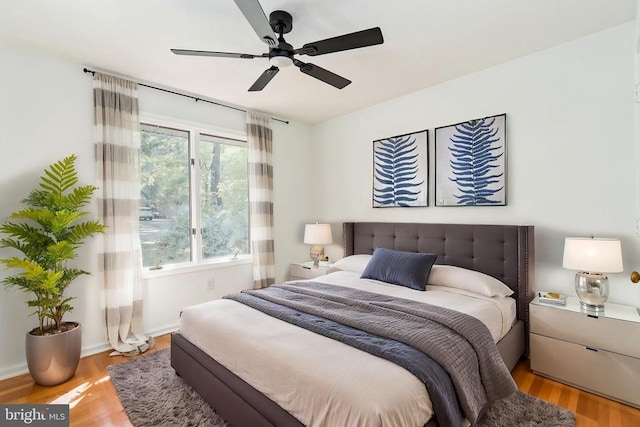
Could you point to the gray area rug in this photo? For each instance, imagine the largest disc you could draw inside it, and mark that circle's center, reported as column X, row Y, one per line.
column 153, row 395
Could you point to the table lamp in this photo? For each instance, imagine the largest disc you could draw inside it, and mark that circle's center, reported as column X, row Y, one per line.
column 592, row 258
column 317, row 235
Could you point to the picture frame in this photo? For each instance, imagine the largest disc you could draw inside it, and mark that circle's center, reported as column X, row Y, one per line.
column 401, row 171
column 471, row 163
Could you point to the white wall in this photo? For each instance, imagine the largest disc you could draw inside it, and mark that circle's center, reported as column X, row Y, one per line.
column 46, row 113
column 570, row 150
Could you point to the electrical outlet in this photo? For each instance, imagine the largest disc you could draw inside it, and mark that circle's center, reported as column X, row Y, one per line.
column 210, row 284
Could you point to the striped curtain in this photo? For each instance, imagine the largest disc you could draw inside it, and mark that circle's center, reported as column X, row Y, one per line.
column 117, row 152
column 259, row 139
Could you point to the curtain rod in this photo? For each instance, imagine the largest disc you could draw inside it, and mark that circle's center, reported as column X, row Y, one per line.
column 86, row 70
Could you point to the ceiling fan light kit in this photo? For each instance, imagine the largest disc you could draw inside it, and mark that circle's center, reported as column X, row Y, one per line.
column 281, row 54
column 281, row 61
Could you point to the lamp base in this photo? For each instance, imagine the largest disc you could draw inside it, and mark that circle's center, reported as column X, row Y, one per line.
column 591, row 309
column 592, row 289
column 317, row 252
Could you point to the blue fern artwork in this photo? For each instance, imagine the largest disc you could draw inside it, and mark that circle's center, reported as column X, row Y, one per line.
column 471, row 167
column 400, row 166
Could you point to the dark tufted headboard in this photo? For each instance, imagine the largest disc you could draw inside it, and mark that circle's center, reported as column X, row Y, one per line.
column 505, row 252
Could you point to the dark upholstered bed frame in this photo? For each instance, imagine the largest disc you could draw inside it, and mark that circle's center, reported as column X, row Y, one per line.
column 502, row 251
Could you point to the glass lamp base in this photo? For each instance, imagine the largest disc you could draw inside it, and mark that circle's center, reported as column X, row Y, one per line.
column 592, row 289
column 591, row 309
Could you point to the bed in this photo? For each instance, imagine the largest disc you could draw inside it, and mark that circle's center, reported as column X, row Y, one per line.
column 504, row 252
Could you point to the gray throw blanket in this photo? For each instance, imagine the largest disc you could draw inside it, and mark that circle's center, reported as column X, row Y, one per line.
column 447, row 412
column 461, row 344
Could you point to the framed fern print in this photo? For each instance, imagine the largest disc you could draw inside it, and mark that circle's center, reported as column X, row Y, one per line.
column 401, row 171
column 471, row 166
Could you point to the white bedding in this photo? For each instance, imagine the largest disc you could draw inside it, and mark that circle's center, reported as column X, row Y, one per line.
column 323, row 382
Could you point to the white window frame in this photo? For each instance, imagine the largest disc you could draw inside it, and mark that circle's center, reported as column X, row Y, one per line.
column 198, row 263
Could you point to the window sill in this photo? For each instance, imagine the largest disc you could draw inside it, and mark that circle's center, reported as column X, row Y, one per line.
column 171, row 270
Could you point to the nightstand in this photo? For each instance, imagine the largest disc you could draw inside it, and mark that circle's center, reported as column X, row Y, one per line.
column 597, row 352
column 306, row 270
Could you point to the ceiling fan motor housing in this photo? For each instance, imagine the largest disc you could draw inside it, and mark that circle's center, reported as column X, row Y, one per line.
column 281, row 56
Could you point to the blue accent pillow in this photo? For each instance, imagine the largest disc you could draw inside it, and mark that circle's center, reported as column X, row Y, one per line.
column 402, row 268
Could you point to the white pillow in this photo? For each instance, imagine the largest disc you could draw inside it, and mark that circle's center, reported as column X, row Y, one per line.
column 468, row 280
column 355, row 263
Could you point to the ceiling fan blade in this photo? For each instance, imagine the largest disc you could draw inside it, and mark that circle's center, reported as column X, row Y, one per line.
column 322, row 74
column 253, row 12
column 356, row 40
column 217, row 54
column 264, row 79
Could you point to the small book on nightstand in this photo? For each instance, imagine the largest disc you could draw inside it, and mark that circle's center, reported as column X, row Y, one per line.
column 552, row 298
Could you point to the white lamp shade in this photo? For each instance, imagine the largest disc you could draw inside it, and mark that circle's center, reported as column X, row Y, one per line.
column 317, row 234
column 592, row 255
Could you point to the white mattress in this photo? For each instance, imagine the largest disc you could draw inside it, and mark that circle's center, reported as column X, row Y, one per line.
column 323, row 382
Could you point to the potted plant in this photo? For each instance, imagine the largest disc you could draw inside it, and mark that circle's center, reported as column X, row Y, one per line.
column 48, row 232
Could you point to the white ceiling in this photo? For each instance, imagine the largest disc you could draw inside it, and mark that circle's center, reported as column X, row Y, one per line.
column 426, row 42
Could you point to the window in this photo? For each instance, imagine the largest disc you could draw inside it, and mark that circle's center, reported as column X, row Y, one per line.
column 194, row 195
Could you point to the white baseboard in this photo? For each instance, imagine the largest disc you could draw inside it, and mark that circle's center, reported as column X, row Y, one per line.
column 13, row 371
column 20, row 369
column 163, row 331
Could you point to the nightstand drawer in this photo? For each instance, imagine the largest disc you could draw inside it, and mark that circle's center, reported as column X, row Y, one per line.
column 600, row 372
column 305, row 272
column 618, row 336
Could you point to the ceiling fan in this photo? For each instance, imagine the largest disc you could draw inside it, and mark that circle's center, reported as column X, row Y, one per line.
column 281, row 53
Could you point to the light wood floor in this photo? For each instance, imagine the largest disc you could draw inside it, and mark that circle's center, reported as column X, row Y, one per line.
column 94, row 401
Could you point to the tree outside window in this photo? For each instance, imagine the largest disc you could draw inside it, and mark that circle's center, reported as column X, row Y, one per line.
column 195, row 185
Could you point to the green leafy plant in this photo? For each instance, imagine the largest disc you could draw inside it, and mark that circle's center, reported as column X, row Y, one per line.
column 48, row 233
